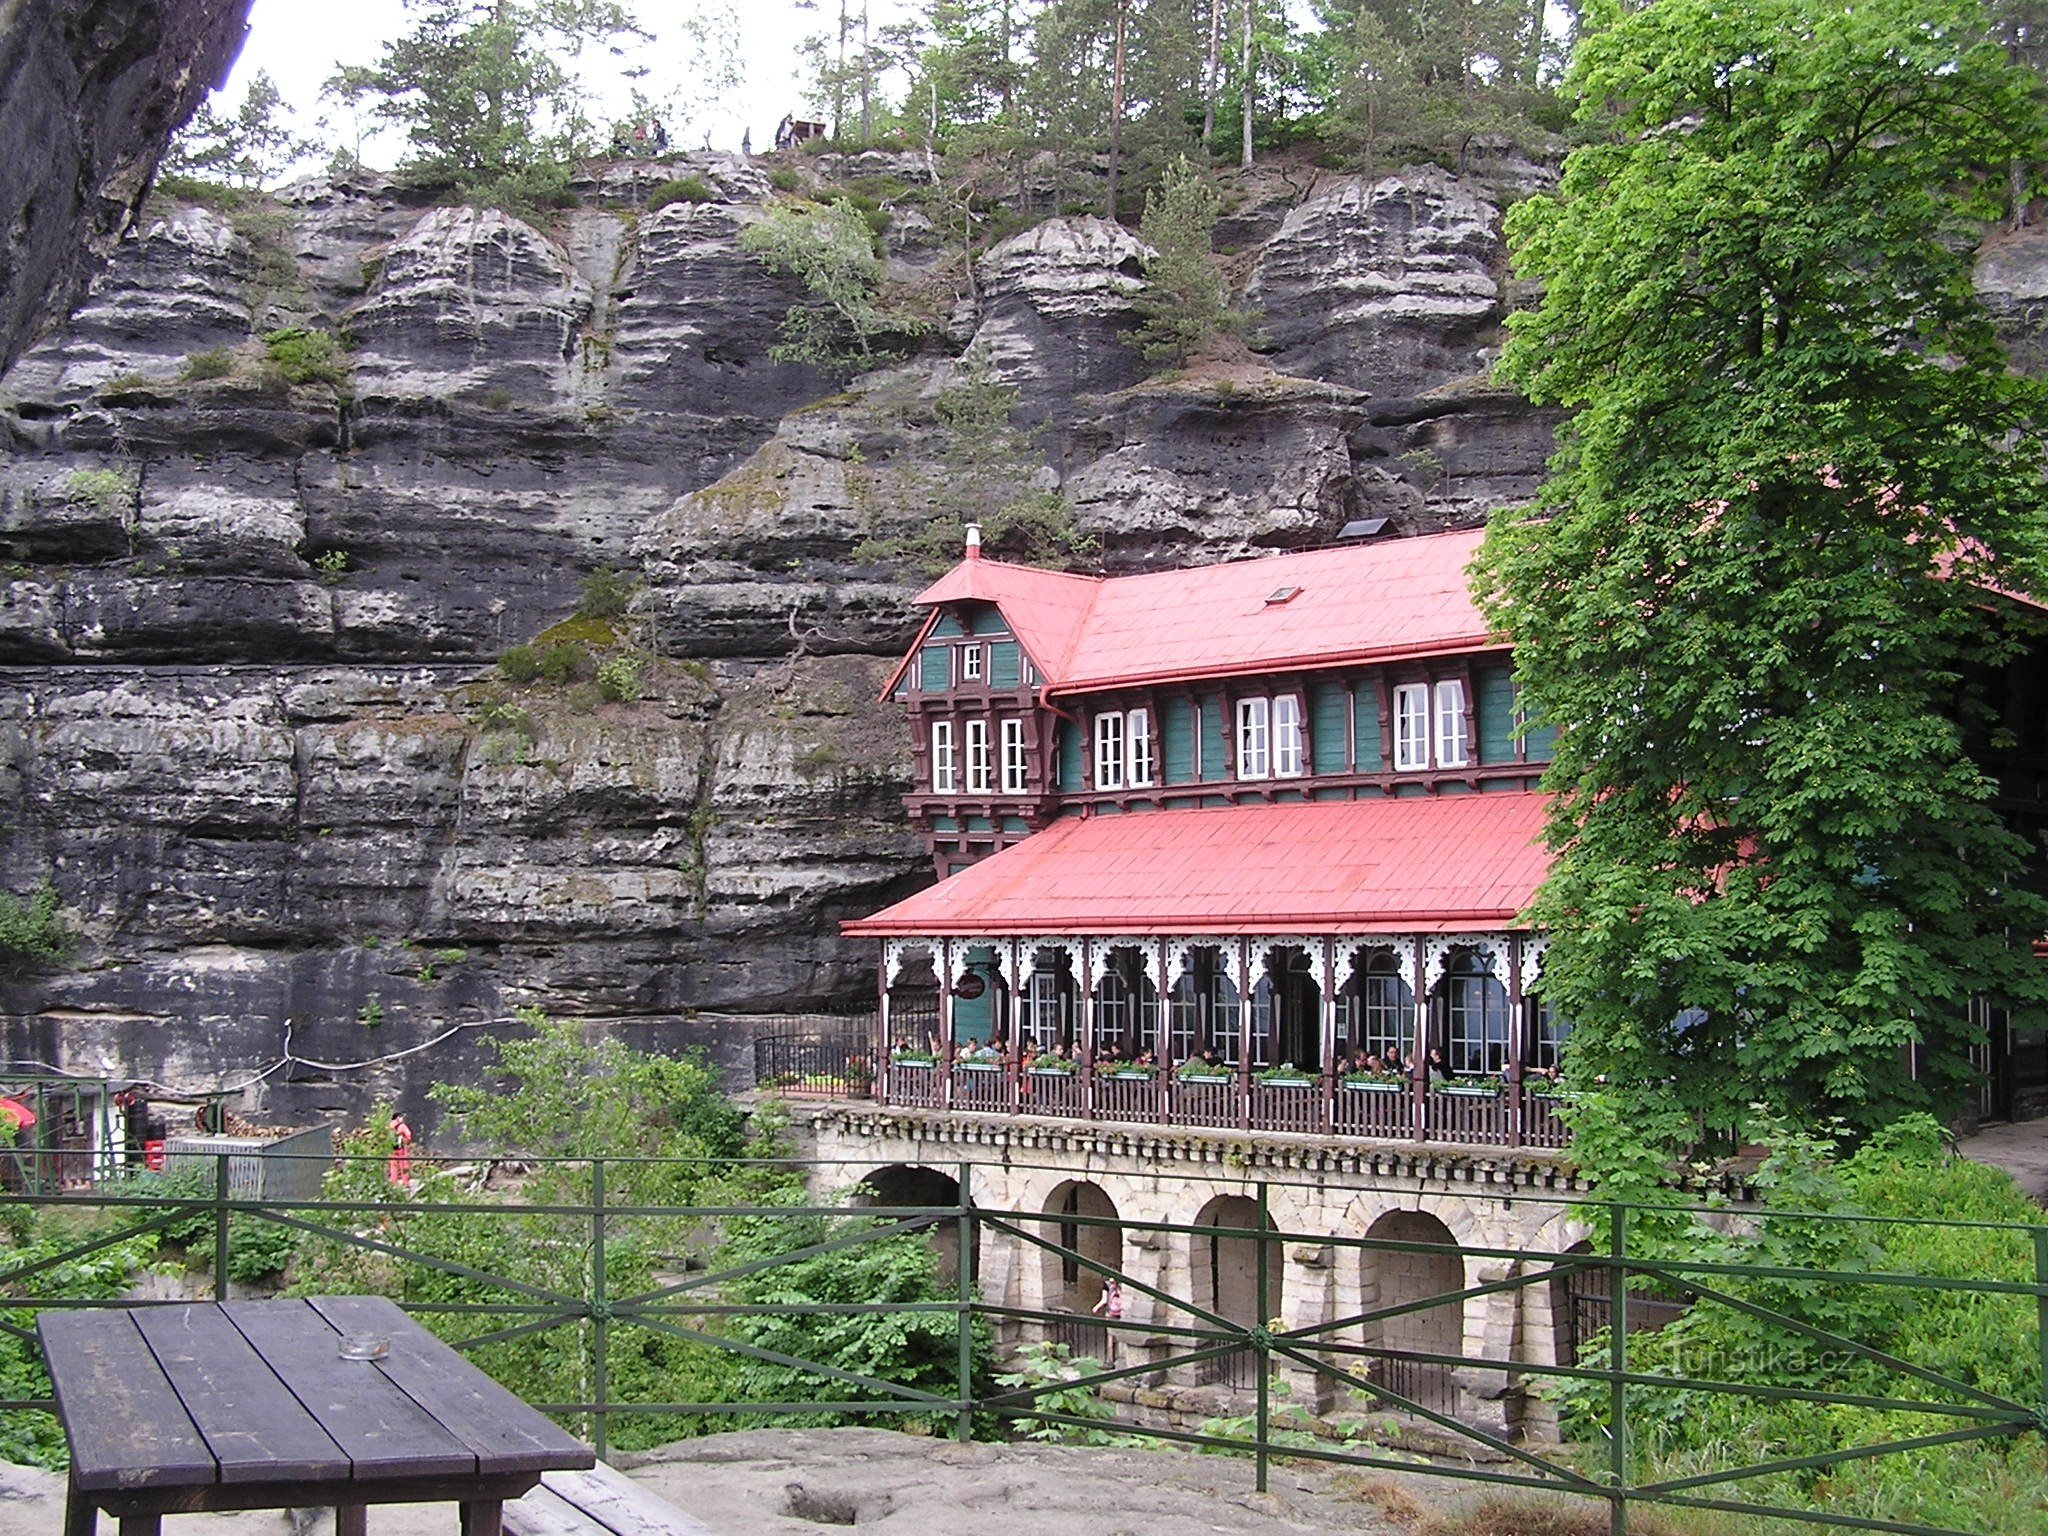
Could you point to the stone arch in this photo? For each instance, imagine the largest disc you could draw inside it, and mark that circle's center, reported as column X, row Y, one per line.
column 1224, row 1269
column 911, row 1184
column 1397, row 1277
column 1069, row 1285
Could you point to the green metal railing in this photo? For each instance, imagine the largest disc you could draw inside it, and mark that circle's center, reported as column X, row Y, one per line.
column 1164, row 1335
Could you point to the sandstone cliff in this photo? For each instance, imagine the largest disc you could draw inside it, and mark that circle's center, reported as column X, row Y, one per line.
column 250, row 725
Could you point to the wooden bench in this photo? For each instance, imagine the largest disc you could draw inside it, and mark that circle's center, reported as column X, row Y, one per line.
column 600, row 1502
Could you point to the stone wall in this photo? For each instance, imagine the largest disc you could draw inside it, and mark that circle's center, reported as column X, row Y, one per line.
column 1505, row 1212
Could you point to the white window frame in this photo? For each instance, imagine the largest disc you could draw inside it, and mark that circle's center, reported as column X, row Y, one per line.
column 980, row 767
column 945, row 767
column 1411, row 727
column 1453, row 742
column 1289, row 756
column 1015, row 769
column 1254, row 738
column 970, row 663
column 1109, row 750
column 1141, row 758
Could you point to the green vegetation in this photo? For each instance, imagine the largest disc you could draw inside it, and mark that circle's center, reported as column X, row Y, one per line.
column 783, row 179
column 332, row 564
column 1748, row 598
column 300, row 357
column 108, row 492
column 519, row 664
column 618, row 678
column 606, row 595
column 831, row 250
column 564, row 662
column 1181, row 305
column 32, row 929
column 484, row 95
column 1901, row 1176
column 687, row 189
column 213, row 363
column 982, row 469
column 250, row 146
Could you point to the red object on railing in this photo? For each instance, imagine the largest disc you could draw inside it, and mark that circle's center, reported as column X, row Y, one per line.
column 153, row 1156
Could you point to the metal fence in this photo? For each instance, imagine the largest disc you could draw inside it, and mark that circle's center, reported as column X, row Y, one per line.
column 1163, row 1334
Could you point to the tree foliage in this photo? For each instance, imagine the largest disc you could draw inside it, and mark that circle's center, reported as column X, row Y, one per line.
column 1749, row 600
column 32, row 929
column 250, row 146
column 1182, row 303
column 830, row 249
column 482, row 91
column 1878, row 1211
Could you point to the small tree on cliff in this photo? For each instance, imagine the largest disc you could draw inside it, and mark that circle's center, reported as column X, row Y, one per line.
column 480, row 89
column 1752, row 596
column 1182, row 304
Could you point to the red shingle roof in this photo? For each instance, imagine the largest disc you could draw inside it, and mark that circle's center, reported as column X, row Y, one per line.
column 1402, row 597
column 1437, row 863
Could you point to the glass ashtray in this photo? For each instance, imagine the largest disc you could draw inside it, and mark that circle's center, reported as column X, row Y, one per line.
column 364, row 1346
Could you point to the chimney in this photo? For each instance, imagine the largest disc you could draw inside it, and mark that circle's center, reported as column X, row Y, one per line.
column 973, row 541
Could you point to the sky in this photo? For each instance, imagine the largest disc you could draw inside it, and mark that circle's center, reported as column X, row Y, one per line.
column 300, row 43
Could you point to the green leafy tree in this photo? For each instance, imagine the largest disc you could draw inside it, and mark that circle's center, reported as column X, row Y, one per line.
column 250, row 146
column 481, row 90
column 1182, row 304
column 32, row 929
column 831, row 250
column 659, row 1121
column 1751, row 598
column 911, row 1349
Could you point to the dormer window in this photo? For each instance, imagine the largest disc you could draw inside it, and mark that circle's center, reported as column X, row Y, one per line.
column 1138, row 729
column 970, row 663
column 1430, row 726
column 1270, row 741
column 1013, row 757
column 1109, row 751
column 945, row 766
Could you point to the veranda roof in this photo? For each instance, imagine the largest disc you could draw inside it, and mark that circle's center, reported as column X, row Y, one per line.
column 1455, row 863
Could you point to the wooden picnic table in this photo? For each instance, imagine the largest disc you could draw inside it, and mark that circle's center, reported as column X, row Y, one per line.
column 251, row 1405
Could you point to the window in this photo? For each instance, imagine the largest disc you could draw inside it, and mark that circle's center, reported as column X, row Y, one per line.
column 1450, row 724
column 1202, row 1009
column 1253, row 716
column 1376, row 1009
column 944, row 768
column 980, row 770
column 1138, row 726
column 1287, row 735
column 1430, row 727
column 1013, row 757
column 1109, row 751
column 1411, row 727
column 1046, row 1022
column 970, row 663
column 1476, row 1010
column 1547, row 1035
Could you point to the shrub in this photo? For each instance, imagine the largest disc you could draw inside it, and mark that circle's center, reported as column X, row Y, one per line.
column 605, row 595
column 619, row 679
column 519, row 664
column 564, row 662
column 332, row 564
column 687, row 189
column 303, row 357
column 213, row 363
column 107, row 491
column 783, row 179
column 31, row 929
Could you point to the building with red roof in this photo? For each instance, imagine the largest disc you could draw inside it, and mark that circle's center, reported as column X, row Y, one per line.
column 1245, row 843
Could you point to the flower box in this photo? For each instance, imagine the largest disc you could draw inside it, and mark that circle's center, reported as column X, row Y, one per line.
column 1285, row 1082
column 1067, row 1071
column 922, row 1063
column 979, row 1066
column 1377, row 1085
column 1468, row 1090
column 1202, row 1077
column 1130, row 1074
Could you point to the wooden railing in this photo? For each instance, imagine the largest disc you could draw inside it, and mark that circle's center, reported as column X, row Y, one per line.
column 1491, row 1114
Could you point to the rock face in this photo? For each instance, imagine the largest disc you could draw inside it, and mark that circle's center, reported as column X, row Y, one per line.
column 250, row 726
column 1390, row 286
column 90, row 93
